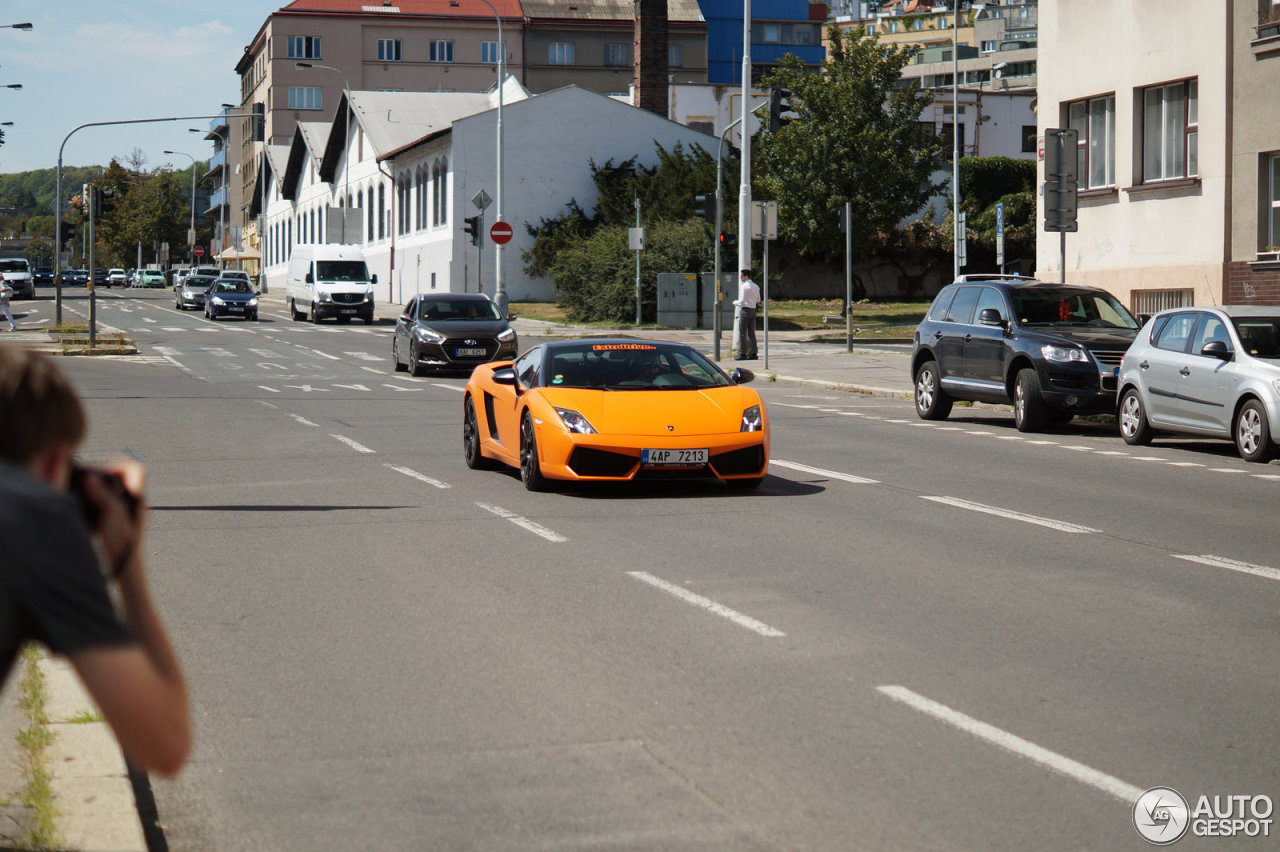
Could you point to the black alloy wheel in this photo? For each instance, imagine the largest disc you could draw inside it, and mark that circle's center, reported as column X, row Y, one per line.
column 530, row 471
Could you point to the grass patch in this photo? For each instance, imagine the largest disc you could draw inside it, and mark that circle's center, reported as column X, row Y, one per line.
column 86, row 717
column 34, row 740
column 794, row 315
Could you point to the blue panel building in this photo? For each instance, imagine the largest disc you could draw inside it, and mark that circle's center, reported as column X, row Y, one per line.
column 778, row 27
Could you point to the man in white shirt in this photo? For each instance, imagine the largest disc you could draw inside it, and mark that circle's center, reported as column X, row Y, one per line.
column 747, row 302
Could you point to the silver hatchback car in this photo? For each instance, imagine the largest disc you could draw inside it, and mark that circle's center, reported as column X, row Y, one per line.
column 1205, row 371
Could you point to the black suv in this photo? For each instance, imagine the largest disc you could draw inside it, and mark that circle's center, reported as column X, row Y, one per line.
column 1050, row 349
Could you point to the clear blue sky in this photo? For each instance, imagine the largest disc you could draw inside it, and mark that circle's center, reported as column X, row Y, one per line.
column 112, row 60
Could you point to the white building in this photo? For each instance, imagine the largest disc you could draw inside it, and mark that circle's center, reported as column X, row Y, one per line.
column 413, row 163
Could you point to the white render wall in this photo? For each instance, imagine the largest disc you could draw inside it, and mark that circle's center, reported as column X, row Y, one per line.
column 1148, row 239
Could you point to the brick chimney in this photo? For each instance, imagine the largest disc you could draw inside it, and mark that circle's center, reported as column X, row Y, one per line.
column 651, row 56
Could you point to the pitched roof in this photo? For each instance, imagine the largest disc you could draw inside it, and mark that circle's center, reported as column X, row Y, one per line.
column 605, row 10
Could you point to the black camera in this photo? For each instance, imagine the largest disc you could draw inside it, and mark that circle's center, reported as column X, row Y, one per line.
column 113, row 482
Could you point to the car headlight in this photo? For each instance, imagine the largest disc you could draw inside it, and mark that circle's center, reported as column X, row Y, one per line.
column 1276, row 385
column 428, row 335
column 1063, row 354
column 253, row 303
column 325, row 297
column 575, row 422
column 507, row 335
column 217, row 300
column 368, row 295
column 751, row 420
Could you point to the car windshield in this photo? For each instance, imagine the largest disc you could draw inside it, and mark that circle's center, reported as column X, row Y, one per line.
column 231, row 285
column 197, row 283
column 341, row 270
column 633, row 366
column 461, row 310
column 1260, row 336
column 1069, row 306
column 13, row 266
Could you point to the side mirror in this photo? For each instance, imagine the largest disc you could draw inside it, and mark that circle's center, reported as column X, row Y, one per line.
column 990, row 316
column 1217, row 349
column 741, row 375
column 511, row 317
column 504, row 376
column 310, row 278
column 373, row 279
column 1143, row 319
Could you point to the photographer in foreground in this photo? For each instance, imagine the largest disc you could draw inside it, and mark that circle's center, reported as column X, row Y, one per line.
column 67, row 533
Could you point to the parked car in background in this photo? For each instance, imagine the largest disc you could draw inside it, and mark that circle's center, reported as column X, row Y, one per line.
column 43, row 277
column 230, row 297
column 451, row 331
column 16, row 272
column 1053, row 350
column 1213, row 372
column 191, row 291
column 116, row 277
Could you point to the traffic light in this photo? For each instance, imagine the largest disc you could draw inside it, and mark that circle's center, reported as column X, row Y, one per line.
column 1, row 135
column 68, row 232
column 472, row 227
column 726, row 244
column 107, row 201
column 704, row 208
column 780, row 112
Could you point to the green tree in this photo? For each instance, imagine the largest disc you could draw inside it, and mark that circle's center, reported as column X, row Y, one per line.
column 986, row 182
column 148, row 209
column 586, row 255
column 856, row 137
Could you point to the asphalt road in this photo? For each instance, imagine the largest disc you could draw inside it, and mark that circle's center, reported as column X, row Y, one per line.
column 913, row 636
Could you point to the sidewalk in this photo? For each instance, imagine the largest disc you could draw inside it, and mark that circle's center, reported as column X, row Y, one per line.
column 96, row 804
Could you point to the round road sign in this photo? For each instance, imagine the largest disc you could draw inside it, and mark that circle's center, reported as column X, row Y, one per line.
column 198, row 250
column 500, row 232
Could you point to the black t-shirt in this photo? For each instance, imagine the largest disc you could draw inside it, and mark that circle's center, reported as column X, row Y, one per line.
column 51, row 588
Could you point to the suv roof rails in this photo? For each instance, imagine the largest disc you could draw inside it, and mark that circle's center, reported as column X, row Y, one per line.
column 994, row 276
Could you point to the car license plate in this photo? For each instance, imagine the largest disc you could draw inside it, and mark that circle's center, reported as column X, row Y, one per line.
column 347, row 310
column 236, row 309
column 471, row 353
column 673, row 458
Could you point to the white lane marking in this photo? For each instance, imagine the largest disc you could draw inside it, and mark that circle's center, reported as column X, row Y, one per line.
column 359, row 448
column 265, row 388
column 1270, row 476
column 1062, row 526
column 268, row 404
column 362, row 356
column 1225, row 470
column 1186, row 464
column 1078, row 448
column 1017, row 745
column 1233, row 565
column 321, row 354
column 265, row 353
column 1148, row 458
column 709, row 605
column 421, row 477
column 374, row 370
column 977, row 432
column 304, row 421
column 1044, row 443
column 1112, row 453
column 398, row 388
column 449, row 387
column 830, row 474
column 523, row 522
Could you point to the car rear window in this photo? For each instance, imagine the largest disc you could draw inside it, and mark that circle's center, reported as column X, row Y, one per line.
column 1260, row 336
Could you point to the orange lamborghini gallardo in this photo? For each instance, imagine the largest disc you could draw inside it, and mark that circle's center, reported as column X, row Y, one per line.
column 615, row 410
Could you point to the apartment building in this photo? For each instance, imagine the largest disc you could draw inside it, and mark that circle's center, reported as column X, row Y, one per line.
column 1179, row 148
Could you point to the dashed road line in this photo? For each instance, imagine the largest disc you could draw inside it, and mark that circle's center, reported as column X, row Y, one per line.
column 421, row 477
column 1061, row 526
column 1061, row 764
column 709, row 605
column 830, row 474
column 358, row 447
column 1232, row 565
column 524, row 523
column 304, row 421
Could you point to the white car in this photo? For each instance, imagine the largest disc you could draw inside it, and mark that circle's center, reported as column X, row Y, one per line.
column 117, row 277
column 1205, row 371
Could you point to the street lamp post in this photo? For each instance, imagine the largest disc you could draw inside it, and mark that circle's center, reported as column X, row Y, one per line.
column 26, row 27
column 191, row 240
column 346, row 132
column 500, row 275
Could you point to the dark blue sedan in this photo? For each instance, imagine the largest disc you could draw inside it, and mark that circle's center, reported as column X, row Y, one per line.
column 231, row 297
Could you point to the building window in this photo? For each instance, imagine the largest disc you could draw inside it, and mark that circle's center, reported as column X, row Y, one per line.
column 442, row 50
column 917, row 25
column 382, row 211
column 560, row 53
column 368, row 236
column 990, row 46
column 388, row 50
column 1273, row 194
column 306, row 97
column 304, row 47
column 489, row 52
column 402, row 204
column 1170, row 116
column 675, row 55
column 871, row 29
column 893, row 27
column 1095, row 121
column 1028, row 138
column 617, row 54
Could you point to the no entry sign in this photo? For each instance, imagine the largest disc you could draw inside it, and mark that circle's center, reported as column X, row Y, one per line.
column 500, row 232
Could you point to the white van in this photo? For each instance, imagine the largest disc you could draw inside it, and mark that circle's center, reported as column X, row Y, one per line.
column 329, row 281
column 17, row 272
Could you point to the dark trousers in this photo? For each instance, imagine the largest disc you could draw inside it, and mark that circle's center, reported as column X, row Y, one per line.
column 747, row 333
